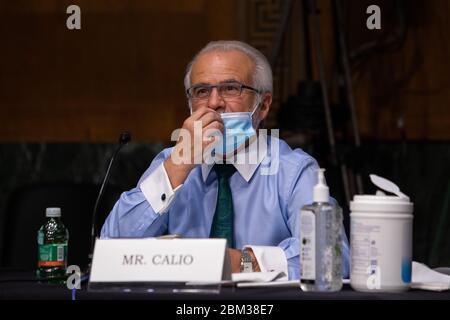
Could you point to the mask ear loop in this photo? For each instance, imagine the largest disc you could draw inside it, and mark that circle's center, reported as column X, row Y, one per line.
column 190, row 106
column 257, row 104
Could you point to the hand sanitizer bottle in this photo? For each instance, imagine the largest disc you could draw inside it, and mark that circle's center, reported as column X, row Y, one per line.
column 320, row 242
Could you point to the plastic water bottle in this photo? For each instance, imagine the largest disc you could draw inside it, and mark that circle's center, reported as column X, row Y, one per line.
column 52, row 241
column 321, row 242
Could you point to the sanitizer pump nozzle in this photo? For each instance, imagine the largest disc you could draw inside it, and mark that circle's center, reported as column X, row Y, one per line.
column 321, row 192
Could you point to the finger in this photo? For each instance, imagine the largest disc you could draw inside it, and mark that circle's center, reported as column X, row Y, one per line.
column 214, row 128
column 209, row 118
column 190, row 121
column 212, row 134
column 210, row 141
column 201, row 112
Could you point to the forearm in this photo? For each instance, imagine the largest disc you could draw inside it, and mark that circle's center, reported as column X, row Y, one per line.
column 133, row 216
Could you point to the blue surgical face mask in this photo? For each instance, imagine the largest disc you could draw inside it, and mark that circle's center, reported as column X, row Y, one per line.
column 238, row 127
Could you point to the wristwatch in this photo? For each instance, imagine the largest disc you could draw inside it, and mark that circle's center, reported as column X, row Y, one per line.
column 246, row 261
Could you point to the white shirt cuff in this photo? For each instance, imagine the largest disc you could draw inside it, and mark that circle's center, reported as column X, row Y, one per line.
column 158, row 191
column 270, row 259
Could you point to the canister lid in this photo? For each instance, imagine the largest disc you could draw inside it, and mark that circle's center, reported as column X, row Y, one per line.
column 53, row 212
column 380, row 204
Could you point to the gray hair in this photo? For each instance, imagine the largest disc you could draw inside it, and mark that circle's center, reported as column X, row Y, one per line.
column 262, row 76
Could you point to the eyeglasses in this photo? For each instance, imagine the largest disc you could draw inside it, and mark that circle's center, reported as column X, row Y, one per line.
column 225, row 89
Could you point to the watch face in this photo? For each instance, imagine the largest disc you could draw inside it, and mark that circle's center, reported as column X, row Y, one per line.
column 246, row 262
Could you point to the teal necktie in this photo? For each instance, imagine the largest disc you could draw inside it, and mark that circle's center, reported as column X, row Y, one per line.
column 222, row 226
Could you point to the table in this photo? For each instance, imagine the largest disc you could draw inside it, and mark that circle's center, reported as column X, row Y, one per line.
column 23, row 285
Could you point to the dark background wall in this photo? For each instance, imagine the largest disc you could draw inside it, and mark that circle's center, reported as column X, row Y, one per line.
column 129, row 58
column 66, row 95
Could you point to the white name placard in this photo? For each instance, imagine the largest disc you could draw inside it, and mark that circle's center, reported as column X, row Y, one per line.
column 159, row 260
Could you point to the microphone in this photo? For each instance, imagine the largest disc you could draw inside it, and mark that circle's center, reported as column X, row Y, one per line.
column 124, row 138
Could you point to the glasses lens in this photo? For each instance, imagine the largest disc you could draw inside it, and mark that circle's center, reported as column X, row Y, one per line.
column 200, row 92
column 226, row 90
column 230, row 90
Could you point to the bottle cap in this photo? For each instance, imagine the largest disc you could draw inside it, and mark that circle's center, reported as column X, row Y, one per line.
column 53, row 212
column 321, row 192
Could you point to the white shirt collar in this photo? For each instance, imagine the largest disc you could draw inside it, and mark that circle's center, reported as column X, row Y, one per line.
column 246, row 161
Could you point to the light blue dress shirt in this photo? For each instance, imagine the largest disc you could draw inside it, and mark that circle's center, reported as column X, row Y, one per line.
column 266, row 207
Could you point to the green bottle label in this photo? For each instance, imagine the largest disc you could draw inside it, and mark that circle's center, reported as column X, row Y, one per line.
column 52, row 255
column 40, row 238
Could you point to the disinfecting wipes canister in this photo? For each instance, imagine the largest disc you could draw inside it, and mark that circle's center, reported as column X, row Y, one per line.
column 381, row 243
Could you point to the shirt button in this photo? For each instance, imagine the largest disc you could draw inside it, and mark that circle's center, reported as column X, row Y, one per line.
column 163, row 197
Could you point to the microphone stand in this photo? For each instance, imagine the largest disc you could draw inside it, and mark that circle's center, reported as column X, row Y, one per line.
column 124, row 138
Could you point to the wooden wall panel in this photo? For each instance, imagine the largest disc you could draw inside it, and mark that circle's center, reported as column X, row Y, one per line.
column 122, row 71
column 410, row 81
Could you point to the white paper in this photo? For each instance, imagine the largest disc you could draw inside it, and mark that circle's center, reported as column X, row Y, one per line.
column 259, row 276
column 428, row 279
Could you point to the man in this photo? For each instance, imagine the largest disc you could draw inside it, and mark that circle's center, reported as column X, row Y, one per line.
column 187, row 190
